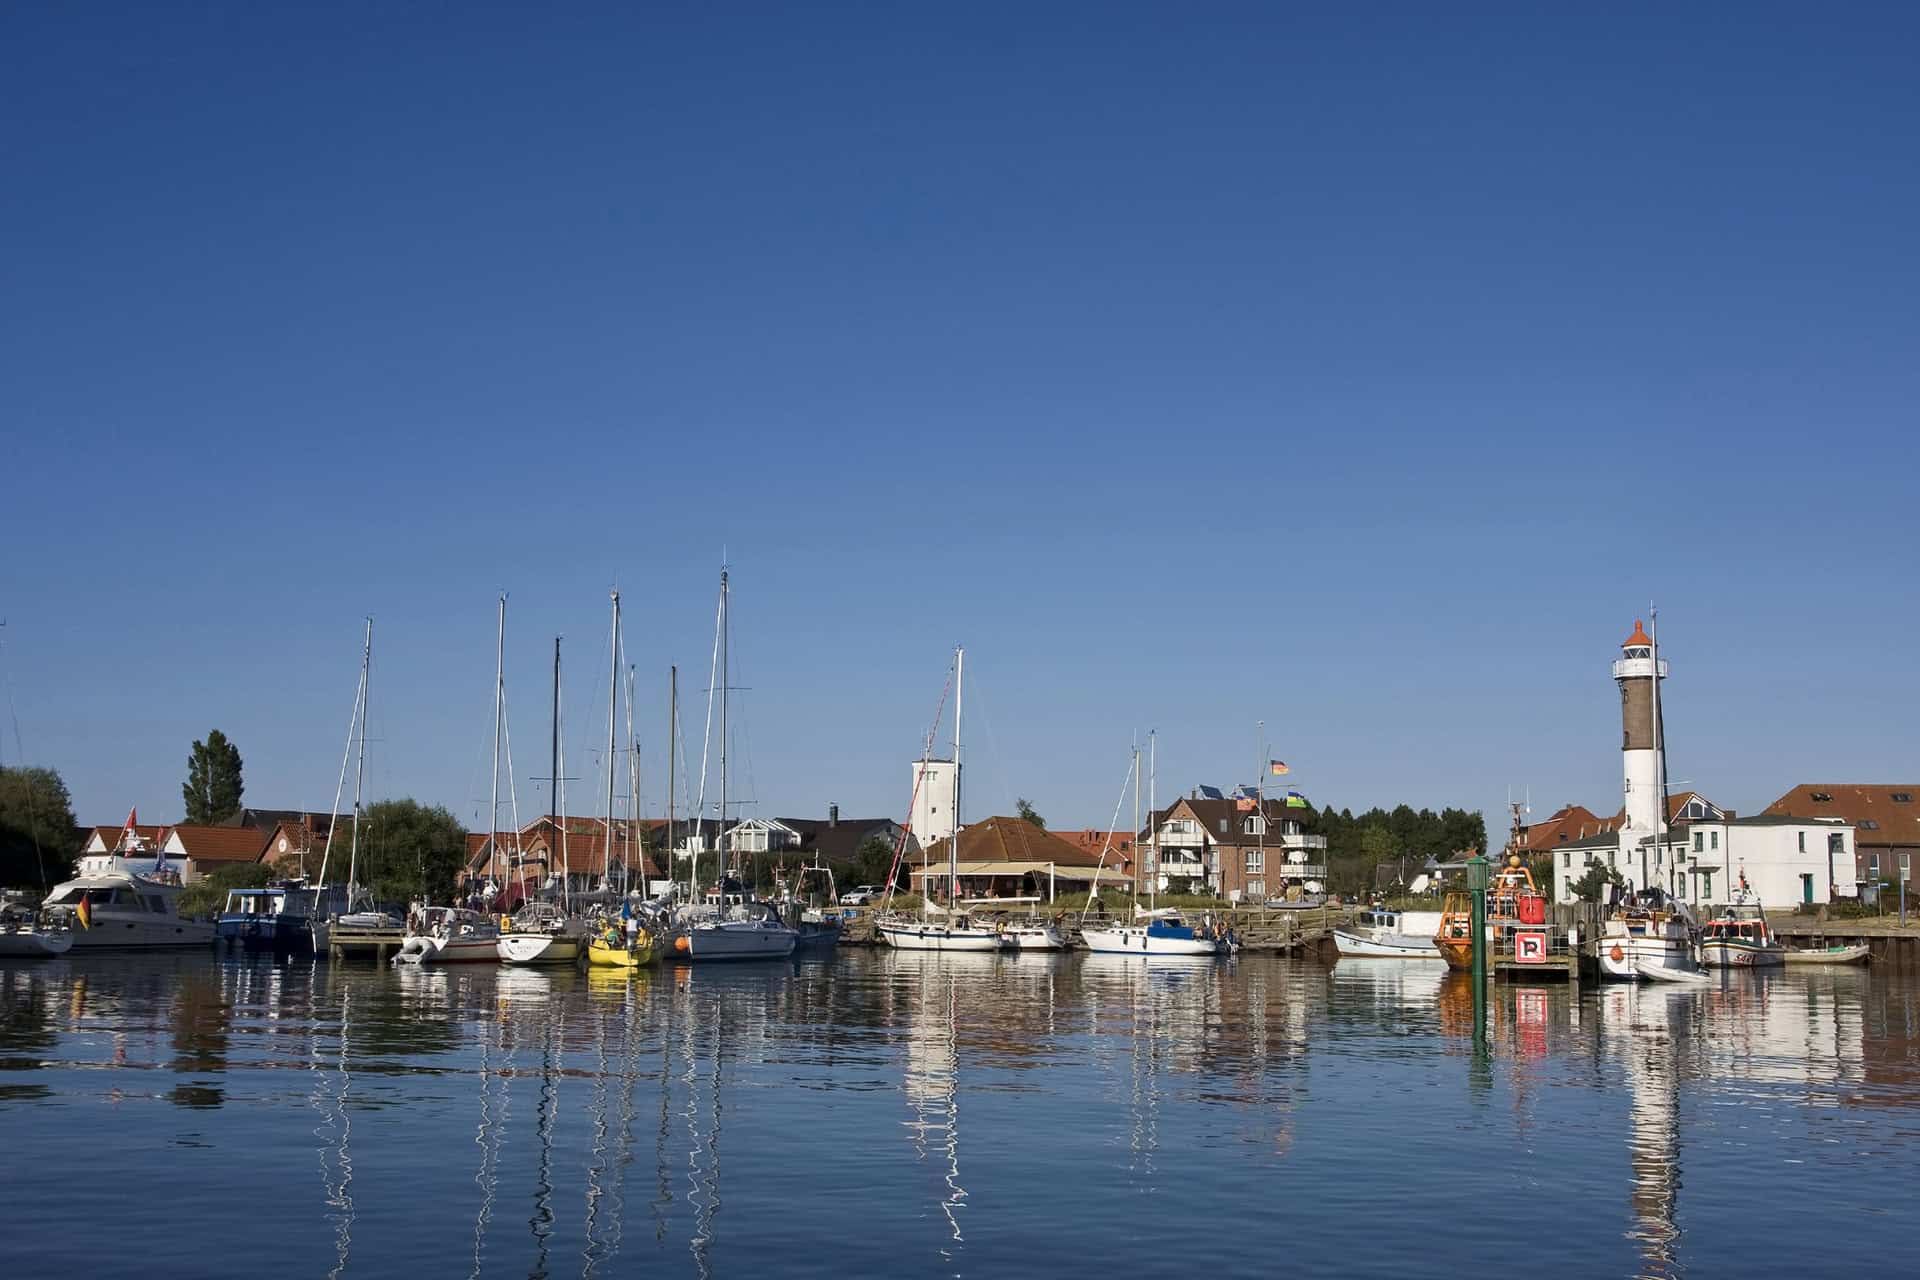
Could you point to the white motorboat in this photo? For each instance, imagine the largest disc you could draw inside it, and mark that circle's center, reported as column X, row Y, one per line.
column 1034, row 935
column 1162, row 932
column 746, row 930
column 1390, row 935
column 1647, row 930
column 451, row 935
column 1662, row 973
column 114, row 908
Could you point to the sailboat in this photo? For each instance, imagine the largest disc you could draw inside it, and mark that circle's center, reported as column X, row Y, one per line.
column 544, row 932
column 955, row 931
column 1155, row 930
column 612, row 946
column 735, row 926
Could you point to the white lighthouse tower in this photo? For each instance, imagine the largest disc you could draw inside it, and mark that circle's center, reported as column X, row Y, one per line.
column 1642, row 745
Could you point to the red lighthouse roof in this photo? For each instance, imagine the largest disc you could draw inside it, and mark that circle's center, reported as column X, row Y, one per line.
column 1639, row 637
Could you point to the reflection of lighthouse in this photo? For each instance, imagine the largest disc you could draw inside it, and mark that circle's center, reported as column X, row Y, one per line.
column 1642, row 743
column 1640, row 1028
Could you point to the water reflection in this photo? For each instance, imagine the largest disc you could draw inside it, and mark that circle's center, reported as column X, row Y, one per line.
column 904, row 1112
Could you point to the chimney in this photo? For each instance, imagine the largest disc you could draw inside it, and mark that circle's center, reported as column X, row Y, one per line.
column 833, row 815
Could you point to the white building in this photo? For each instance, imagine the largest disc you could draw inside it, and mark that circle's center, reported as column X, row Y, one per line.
column 1787, row 862
column 935, row 786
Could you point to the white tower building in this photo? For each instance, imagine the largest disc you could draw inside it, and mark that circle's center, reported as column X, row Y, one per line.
column 933, row 793
column 1642, row 743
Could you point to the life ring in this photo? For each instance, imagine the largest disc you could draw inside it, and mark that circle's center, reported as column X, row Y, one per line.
column 1616, row 955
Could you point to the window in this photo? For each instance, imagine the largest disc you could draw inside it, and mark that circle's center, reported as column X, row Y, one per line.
column 1803, row 841
column 1213, row 861
column 1256, row 888
column 1699, row 841
column 1901, row 797
column 1223, row 826
column 1256, row 862
column 1254, row 825
column 1566, row 859
column 1716, row 838
column 1873, row 866
column 1836, row 842
column 1905, row 864
column 1869, row 824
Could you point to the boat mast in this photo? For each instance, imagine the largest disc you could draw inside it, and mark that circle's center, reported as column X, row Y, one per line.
column 1138, row 867
column 499, row 697
column 1260, row 791
column 673, row 755
column 953, row 845
column 559, row 777
column 634, row 849
column 360, row 768
column 1153, row 777
column 613, row 703
column 726, row 854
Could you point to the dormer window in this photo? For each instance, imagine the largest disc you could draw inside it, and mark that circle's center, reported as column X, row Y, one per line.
column 1869, row 824
column 1901, row 797
column 1254, row 825
column 1822, row 797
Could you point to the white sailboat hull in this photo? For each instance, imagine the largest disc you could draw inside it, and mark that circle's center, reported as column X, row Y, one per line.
column 32, row 944
column 1135, row 940
column 538, row 948
column 941, row 937
column 423, row 949
column 1035, row 937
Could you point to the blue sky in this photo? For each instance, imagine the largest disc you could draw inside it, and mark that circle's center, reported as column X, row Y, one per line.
column 1365, row 373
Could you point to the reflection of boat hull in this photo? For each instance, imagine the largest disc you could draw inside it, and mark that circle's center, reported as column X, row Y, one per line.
column 33, row 944
column 940, row 937
column 1385, row 947
column 538, row 948
column 1830, row 955
column 112, row 931
column 1138, row 940
column 1736, row 953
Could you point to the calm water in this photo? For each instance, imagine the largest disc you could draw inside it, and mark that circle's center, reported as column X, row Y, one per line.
column 899, row 1114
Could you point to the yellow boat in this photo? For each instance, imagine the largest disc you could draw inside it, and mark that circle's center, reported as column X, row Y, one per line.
column 609, row 950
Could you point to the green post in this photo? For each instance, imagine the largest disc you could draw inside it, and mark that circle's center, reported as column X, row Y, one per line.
column 1477, row 886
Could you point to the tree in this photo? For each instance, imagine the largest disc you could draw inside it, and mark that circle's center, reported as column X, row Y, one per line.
column 207, row 895
column 1025, row 809
column 36, row 828
column 213, row 787
column 406, row 849
column 872, row 860
column 1592, row 887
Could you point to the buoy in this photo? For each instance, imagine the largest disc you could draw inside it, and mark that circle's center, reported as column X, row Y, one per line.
column 680, row 943
column 1616, row 955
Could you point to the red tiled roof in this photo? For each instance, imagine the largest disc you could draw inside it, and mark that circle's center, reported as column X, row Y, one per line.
column 110, row 836
column 222, row 844
column 1003, row 839
column 1895, row 822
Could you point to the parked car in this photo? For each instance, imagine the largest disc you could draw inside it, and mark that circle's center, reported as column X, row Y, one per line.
column 860, row 895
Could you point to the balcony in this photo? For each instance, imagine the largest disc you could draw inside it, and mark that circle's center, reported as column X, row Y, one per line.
column 1171, row 839
column 1299, row 842
column 1298, row 870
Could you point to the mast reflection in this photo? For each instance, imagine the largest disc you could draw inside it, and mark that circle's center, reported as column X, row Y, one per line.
column 932, row 1072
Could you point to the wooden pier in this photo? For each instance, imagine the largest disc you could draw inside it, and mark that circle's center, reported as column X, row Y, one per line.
column 354, row 942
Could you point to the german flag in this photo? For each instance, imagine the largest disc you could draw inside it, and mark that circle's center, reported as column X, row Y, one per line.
column 84, row 913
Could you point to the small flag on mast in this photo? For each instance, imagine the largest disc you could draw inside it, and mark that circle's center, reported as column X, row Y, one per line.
column 129, row 837
column 1278, row 767
column 83, row 913
column 1296, row 801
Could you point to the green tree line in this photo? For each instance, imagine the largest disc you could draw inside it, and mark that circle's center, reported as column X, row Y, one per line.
column 1356, row 844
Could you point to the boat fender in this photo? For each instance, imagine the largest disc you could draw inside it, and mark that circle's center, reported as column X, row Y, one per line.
column 680, row 943
column 1616, row 955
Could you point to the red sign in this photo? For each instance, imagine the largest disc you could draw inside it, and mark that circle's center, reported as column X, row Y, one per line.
column 1529, row 946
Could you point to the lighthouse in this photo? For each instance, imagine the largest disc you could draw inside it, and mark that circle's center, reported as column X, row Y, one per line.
column 1642, row 744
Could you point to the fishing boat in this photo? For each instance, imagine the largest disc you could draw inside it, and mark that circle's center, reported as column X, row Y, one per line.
column 1155, row 930
column 26, row 935
column 818, row 926
column 1739, row 936
column 450, row 935
column 1513, row 902
column 1839, row 953
column 1647, row 930
column 953, row 930
column 1381, row 934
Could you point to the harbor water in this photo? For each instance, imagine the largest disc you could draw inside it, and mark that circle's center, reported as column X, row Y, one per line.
column 882, row 1113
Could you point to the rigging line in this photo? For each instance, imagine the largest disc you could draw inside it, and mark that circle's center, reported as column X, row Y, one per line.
column 919, row 779
column 706, row 742
column 1133, row 762
column 20, row 746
